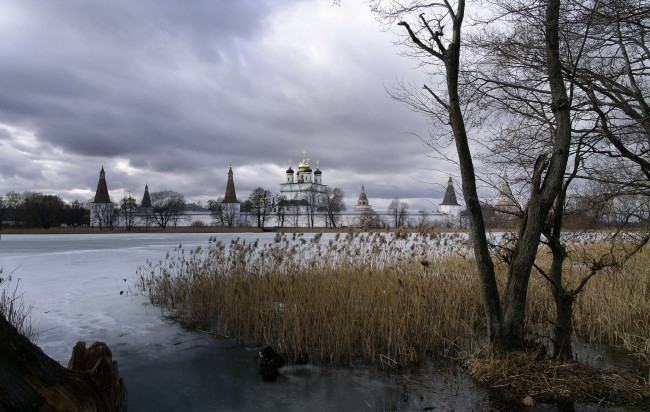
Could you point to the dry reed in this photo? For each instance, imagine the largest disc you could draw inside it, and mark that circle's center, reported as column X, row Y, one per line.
column 613, row 308
column 371, row 297
column 383, row 298
column 14, row 309
column 523, row 379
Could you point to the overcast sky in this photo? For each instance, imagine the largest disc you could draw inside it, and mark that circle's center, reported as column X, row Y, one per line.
column 170, row 93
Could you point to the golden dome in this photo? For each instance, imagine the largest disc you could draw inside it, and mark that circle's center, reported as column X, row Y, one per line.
column 305, row 161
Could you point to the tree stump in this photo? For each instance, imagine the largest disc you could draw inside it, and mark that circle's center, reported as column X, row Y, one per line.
column 32, row 381
column 270, row 362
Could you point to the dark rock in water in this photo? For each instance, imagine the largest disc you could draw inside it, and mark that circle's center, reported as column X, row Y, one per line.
column 270, row 362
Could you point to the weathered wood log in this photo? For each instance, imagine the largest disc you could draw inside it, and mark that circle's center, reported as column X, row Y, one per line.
column 32, row 381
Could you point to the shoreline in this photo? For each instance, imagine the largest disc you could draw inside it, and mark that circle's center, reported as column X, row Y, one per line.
column 213, row 229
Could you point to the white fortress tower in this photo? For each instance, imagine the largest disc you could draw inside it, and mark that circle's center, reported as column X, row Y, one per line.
column 362, row 203
column 101, row 208
column 449, row 205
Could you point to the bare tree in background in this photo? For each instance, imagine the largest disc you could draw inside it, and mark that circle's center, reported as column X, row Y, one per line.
column 334, row 205
column 128, row 212
column 398, row 210
column 261, row 201
column 281, row 207
column 166, row 205
column 12, row 201
column 216, row 210
column 41, row 210
column 231, row 213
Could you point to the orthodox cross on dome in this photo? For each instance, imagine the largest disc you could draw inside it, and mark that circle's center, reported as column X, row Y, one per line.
column 289, row 163
column 317, row 162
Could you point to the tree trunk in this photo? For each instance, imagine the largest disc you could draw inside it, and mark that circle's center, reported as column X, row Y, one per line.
column 485, row 265
column 563, row 299
column 31, row 381
column 563, row 329
column 543, row 192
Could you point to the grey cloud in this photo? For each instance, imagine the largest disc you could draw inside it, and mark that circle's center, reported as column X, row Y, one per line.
column 181, row 90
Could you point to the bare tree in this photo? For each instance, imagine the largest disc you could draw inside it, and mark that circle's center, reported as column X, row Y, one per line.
column 295, row 209
column 614, row 78
column 429, row 42
column 3, row 212
column 424, row 221
column 42, row 210
column 12, row 201
column 334, row 205
column 231, row 213
column 370, row 219
column 311, row 207
column 216, row 210
column 398, row 211
column 128, row 212
column 510, row 78
column 103, row 215
column 609, row 147
column 281, row 208
column 166, row 205
column 76, row 214
column 261, row 205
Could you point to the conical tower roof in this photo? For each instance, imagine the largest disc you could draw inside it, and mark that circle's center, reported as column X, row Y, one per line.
column 363, row 199
column 146, row 200
column 101, row 195
column 231, row 196
column 450, row 194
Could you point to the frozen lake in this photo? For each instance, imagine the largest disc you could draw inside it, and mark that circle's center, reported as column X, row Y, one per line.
column 74, row 282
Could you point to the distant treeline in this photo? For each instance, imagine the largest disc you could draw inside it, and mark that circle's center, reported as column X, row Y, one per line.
column 34, row 209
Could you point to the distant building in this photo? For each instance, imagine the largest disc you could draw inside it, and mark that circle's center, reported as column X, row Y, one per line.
column 362, row 203
column 449, row 205
column 303, row 204
column 146, row 199
column 230, row 207
column 304, row 190
column 506, row 208
column 146, row 209
column 101, row 208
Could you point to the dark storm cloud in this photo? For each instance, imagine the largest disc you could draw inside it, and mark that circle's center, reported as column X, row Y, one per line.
column 172, row 93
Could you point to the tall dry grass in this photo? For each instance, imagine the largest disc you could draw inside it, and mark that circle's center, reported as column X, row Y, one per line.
column 614, row 307
column 14, row 308
column 388, row 298
column 370, row 297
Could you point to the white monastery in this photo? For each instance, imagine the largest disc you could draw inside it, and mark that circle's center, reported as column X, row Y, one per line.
column 302, row 203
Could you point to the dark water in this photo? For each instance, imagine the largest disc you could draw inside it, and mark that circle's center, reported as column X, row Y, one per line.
column 196, row 372
column 207, row 374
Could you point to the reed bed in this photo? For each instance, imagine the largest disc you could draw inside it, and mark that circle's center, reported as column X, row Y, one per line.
column 379, row 298
column 14, row 308
column 614, row 307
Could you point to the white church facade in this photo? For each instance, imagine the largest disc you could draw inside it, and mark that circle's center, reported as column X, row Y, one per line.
column 305, row 185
